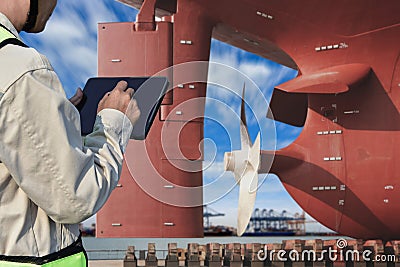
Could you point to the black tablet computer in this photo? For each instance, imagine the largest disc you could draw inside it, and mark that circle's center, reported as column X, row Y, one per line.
column 149, row 93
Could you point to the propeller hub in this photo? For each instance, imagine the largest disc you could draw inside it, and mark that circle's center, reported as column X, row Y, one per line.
column 229, row 161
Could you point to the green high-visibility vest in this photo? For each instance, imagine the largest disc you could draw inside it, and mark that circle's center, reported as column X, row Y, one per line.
column 6, row 37
column 77, row 259
column 71, row 256
column 5, row 34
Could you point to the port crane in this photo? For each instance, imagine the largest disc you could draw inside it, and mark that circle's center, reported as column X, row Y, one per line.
column 209, row 212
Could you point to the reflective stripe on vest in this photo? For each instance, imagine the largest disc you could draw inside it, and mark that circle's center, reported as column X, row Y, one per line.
column 76, row 260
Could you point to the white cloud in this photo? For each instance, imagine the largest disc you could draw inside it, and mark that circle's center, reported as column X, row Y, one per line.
column 217, row 182
column 256, row 70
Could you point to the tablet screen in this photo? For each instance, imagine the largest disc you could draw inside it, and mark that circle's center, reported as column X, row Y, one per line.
column 149, row 93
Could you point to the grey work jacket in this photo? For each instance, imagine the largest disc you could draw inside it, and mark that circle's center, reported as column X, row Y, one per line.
column 49, row 179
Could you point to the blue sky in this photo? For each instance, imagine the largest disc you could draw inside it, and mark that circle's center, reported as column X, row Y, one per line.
column 70, row 43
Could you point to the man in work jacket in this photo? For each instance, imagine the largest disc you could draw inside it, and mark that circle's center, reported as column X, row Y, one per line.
column 49, row 179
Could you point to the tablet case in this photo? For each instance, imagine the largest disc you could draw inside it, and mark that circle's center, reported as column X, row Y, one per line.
column 149, row 93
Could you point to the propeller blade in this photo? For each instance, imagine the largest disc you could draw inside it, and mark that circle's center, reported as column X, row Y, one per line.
column 245, row 164
column 244, row 133
column 246, row 199
column 254, row 157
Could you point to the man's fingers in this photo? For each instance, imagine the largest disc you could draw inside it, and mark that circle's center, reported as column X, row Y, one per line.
column 121, row 86
column 133, row 104
column 130, row 91
column 120, row 98
column 76, row 99
column 133, row 112
column 78, row 94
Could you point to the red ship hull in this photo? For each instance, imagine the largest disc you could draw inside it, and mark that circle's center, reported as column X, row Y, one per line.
column 342, row 168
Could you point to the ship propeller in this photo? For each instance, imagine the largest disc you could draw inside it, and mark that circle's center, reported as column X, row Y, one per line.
column 245, row 164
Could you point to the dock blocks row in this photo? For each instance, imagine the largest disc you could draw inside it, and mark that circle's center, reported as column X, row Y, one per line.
column 289, row 253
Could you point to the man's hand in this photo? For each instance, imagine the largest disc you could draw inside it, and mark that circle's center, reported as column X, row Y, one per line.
column 77, row 98
column 120, row 98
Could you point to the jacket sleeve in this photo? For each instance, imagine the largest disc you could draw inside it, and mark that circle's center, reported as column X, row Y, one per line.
column 42, row 147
